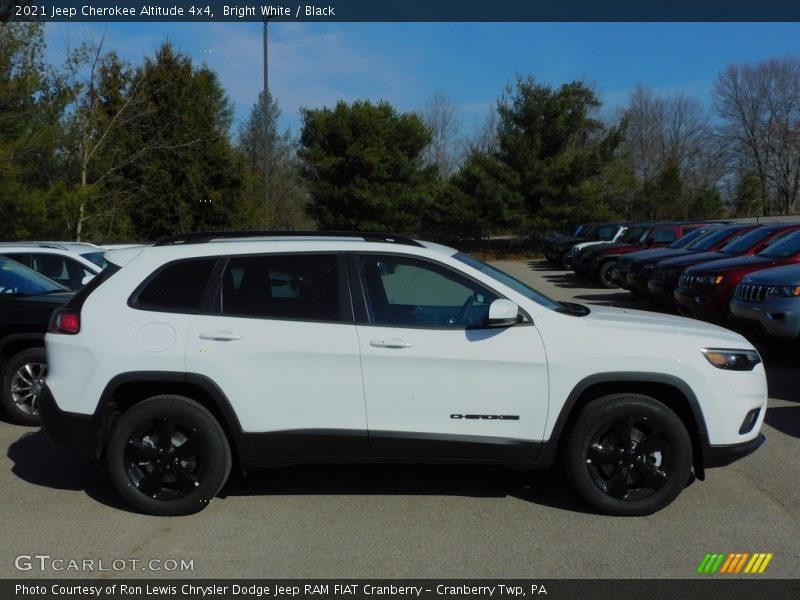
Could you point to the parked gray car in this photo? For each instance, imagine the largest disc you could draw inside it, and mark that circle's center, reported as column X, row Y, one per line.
column 770, row 299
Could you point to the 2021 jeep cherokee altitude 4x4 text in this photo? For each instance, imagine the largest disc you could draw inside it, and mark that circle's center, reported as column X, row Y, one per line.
column 276, row 349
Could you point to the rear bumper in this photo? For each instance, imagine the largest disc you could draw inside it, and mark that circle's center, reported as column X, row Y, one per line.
column 721, row 456
column 78, row 433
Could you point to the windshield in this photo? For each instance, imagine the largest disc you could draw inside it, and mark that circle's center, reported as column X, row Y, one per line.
column 506, row 279
column 96, row 258
column 709, row 241
column 635, row 235
column 787, row 247
column 19, row 280
column 687, row 239
column 747, row 241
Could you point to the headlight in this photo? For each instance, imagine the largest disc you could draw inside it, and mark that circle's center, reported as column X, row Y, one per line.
column 786, row 291
column 732, row 360
column 710, row 279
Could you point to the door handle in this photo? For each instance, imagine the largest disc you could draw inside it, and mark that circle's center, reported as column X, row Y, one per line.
column 389, row 343
column 220, row 336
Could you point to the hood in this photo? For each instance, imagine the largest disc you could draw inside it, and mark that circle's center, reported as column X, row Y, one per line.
column 785, row 275
column 619, row 248
column 732, row 264
column 685, row 260
column 655, row 255
column 644, row 255
column 642, row 321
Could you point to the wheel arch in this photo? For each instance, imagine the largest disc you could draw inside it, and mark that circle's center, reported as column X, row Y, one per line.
column 128, row 389
column 668, row 389
column 13, row 344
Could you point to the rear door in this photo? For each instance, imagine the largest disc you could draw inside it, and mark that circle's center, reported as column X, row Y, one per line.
column 281, row 344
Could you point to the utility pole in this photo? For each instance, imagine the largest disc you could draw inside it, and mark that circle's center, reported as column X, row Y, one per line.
column 265, row 109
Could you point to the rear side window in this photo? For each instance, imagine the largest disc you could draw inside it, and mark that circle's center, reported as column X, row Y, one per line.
column 302, row 287
column 664, row 236
column 178, row 287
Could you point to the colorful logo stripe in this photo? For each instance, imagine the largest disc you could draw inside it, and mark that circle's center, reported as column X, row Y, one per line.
column 734, row 562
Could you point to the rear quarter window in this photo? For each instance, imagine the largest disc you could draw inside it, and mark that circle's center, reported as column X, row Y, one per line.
column 177, row 287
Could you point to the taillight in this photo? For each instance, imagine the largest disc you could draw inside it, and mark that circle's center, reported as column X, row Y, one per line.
column 65, row 320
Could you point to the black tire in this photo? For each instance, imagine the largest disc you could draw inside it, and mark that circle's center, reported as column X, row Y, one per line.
column 152, row 473
column 23, row 381
column 566, row 259
column 615, row 474
column 604, row 275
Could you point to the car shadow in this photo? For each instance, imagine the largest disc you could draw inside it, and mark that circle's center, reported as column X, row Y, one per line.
column 547, row 488
column 785, row 419
column 37, row 461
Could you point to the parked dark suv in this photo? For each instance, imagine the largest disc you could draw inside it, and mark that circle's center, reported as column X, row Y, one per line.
column 27, row 300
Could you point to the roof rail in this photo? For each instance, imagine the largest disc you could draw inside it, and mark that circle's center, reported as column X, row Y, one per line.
column 203, row 237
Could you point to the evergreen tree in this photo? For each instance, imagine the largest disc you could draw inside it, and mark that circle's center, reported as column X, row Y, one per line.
column 364, row 167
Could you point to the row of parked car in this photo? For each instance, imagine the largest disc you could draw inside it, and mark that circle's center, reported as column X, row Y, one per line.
column 731, row 273
column 35, row 278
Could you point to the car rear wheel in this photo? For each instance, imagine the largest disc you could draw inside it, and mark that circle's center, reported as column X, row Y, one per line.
column 23, row 382
column 168, row 455
column 628, row 455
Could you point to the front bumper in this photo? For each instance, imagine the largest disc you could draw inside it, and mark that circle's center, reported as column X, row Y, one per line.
column 663, row 291
column 80, row 434
column 637, row 283
column 722, row 456
column 700, row 304
column 777, row 317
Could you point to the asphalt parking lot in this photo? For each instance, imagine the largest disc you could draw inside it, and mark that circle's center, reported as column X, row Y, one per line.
column 410, row 521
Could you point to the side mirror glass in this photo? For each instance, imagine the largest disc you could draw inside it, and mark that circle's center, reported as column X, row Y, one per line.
column 503, row 313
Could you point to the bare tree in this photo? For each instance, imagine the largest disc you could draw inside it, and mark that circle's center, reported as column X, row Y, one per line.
column 671, row 130
column 446, row 149
column 760, row 106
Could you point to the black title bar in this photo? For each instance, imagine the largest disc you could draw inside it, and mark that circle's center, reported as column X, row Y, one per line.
column 400, row 10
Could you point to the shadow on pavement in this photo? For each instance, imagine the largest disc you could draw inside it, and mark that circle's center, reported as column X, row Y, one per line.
column 785, row 419
column 548, row 488
column 39, row 462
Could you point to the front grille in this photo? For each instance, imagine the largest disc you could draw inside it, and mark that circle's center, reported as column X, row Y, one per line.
column 751, row 293
column 689, row 281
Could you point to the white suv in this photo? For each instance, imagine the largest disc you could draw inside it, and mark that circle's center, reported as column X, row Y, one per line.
column 270, row 350
column 72, row 264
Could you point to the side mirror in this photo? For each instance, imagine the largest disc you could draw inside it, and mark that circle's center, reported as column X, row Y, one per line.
column 648, row 243
column 87, row 278
column 502, row 313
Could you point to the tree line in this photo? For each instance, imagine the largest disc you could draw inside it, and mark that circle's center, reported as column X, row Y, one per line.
column 97, row 148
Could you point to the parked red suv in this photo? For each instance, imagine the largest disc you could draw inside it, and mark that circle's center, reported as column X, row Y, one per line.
column 666, row 273
column 704, row 290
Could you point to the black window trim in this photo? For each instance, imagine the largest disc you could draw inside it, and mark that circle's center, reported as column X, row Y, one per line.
column 358, row 294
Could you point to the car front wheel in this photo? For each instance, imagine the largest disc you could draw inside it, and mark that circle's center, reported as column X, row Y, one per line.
column 168, row 455
column 628, row 455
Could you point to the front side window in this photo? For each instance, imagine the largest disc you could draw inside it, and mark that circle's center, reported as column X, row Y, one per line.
column 302, row 287
column 18, row 280
column 403, row 291
column 178, row 287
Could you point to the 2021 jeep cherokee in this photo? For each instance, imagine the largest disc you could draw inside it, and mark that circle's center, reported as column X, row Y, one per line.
column 276, row 349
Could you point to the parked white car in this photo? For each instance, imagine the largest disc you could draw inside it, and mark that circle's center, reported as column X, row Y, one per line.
column 72, row 264
column 205, row 349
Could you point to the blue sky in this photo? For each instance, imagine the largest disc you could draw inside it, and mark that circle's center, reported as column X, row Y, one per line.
column 316, row 64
